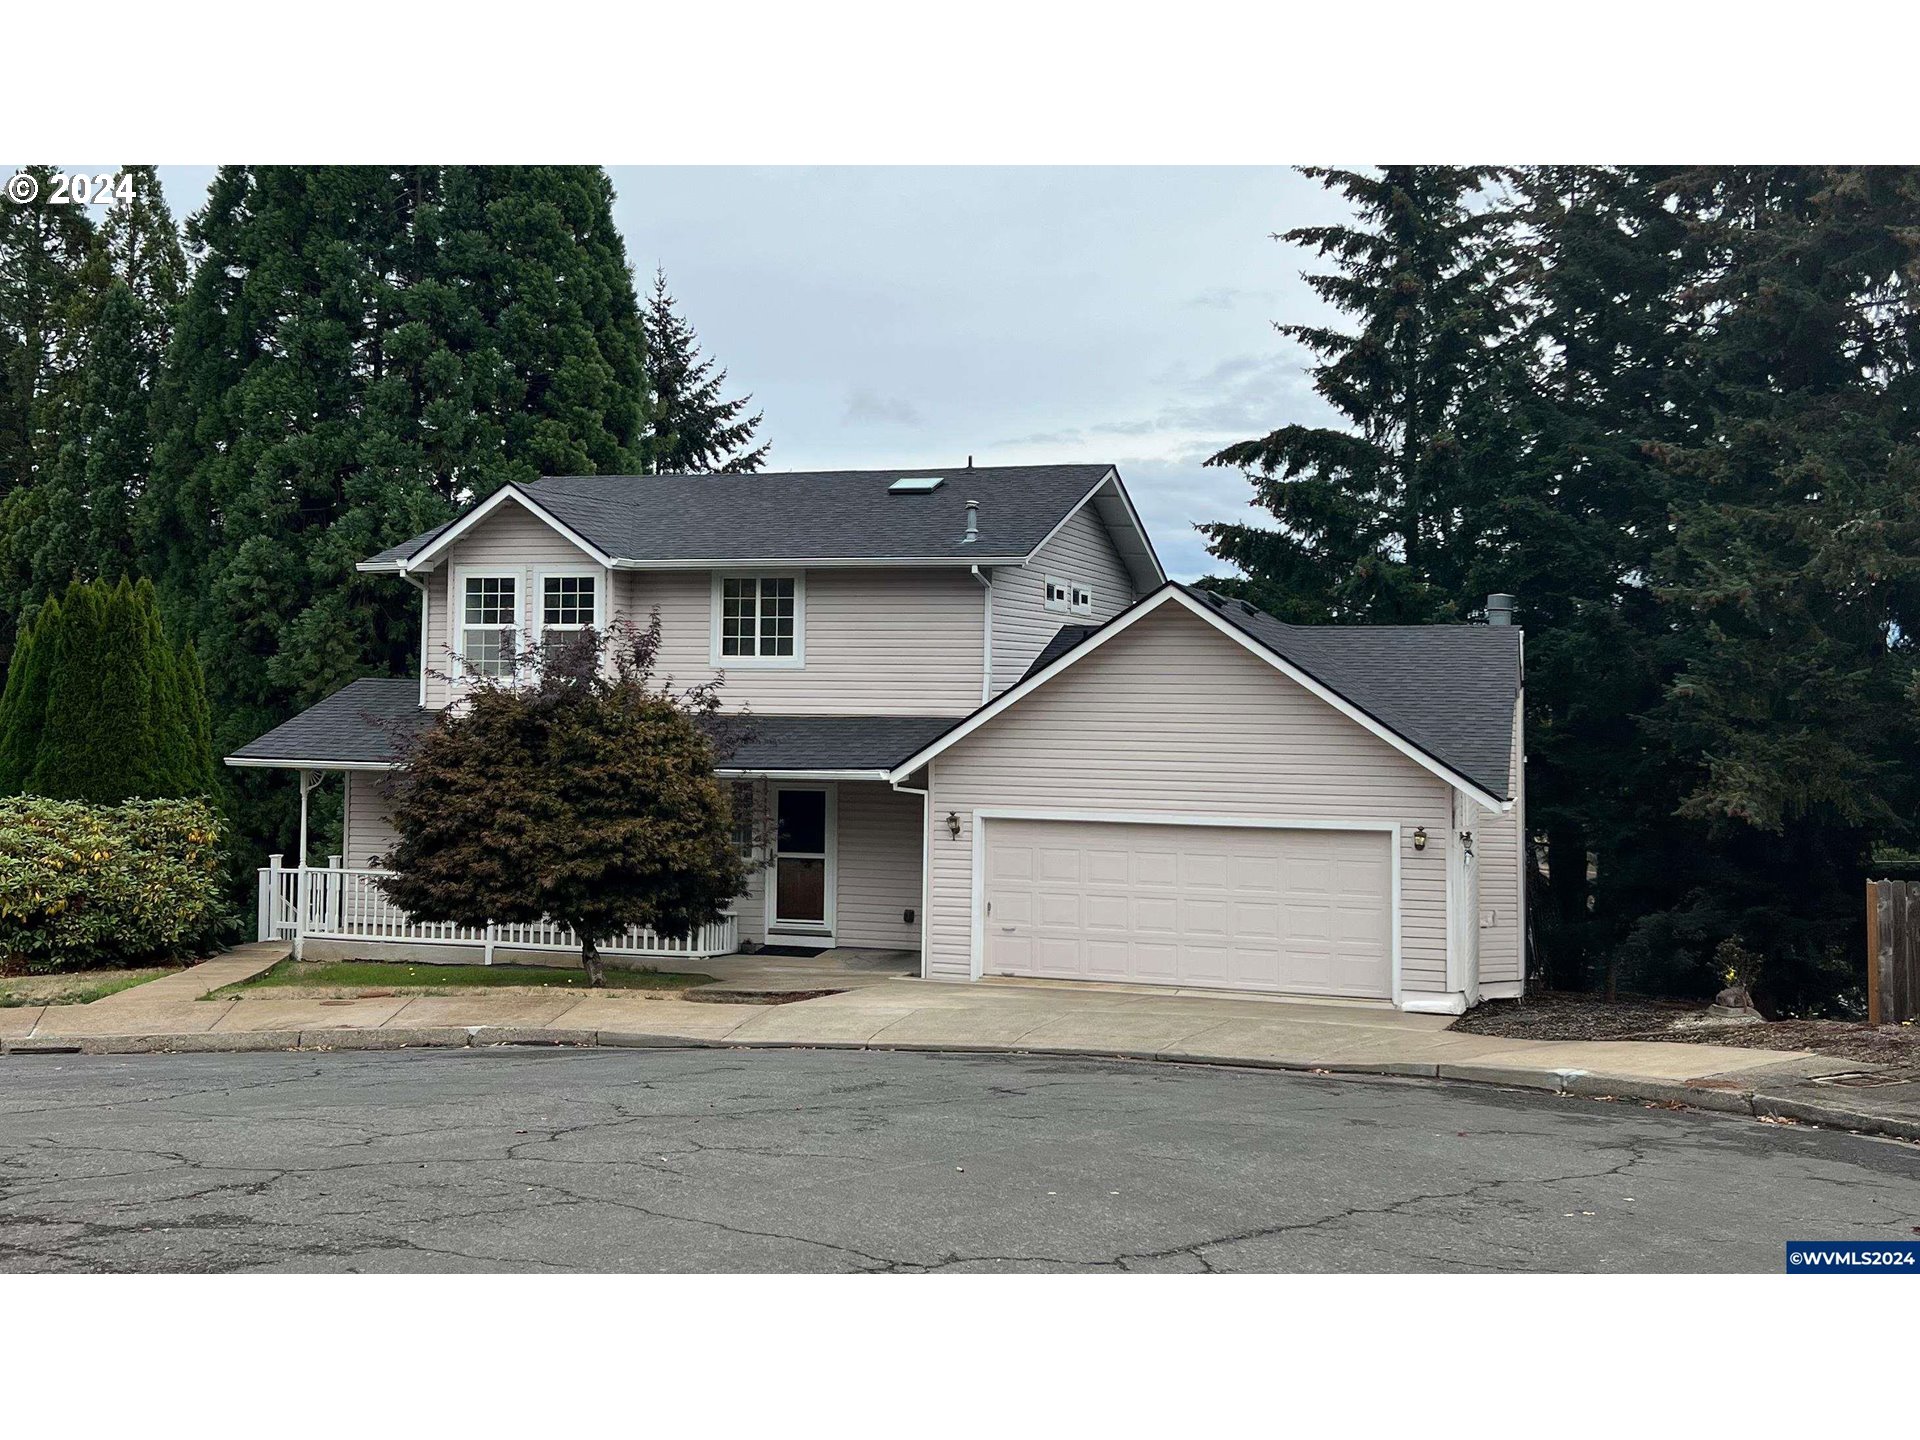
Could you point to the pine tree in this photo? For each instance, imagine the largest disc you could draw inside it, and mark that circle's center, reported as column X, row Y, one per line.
column 99, row 707
column 1603, row 262
column 360, row 352
column 23, row 704
column 1377, row 519
column 143, row 253
column 52, row 275
column 1794, row 570
column 689, row 427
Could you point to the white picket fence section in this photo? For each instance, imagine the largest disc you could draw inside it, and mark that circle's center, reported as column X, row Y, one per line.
column 334, row 903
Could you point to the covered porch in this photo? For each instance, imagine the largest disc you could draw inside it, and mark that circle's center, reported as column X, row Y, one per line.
column 839, row 860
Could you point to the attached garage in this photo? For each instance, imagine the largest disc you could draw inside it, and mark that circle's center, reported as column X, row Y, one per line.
column 1197, row 795
column 1236, row 907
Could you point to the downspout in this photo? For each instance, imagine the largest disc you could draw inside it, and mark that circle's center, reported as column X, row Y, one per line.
column 986, row 639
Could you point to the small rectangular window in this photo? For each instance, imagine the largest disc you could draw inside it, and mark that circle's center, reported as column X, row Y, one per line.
column 566, row 602
column 489, row 617
column 757, row 616
column 1057, row 597
column 1082, row 600
column 743, row 820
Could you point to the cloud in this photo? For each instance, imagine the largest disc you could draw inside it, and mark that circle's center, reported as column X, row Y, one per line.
column 865, row 406
column 1228, row 297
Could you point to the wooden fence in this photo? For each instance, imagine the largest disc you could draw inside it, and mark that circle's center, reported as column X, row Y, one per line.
column 1893, row 951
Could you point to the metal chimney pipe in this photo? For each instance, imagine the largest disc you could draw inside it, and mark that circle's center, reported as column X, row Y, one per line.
column 973, row 523
column 1499, row 609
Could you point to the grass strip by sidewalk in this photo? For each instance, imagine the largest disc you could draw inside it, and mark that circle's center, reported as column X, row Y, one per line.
column 349, row 976
column 78, row 988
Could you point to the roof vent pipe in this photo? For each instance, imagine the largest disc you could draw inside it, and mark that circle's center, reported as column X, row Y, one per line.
column 1499, row 609
column 973, row 523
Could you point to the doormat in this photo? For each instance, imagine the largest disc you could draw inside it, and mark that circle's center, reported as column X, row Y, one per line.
column 799, row 952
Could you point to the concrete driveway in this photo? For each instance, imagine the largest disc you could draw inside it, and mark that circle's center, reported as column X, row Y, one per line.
column 711, row 1160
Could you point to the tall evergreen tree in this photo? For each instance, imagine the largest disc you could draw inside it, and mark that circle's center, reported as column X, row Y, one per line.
column 690, row 428
column 23, row 703
column 99, row 707
column 1794, row 571
column 1603, row 262
column 360, row 352
column 1378, row 519
column 52, row 274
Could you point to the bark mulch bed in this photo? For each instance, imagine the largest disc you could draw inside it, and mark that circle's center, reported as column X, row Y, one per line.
column 1552, row 1016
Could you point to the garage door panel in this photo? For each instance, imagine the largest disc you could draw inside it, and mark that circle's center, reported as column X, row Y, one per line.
column 1294, row 911
column 1155, row 915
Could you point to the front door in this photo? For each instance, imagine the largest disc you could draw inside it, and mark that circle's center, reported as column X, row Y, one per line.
column 802, row 896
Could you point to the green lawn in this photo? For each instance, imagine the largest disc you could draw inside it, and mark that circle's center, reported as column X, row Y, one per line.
column 76, row 989
column 352, row 975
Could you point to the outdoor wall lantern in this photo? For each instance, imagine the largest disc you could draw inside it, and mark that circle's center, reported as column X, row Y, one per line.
column 1420, row 838
column 953, row 823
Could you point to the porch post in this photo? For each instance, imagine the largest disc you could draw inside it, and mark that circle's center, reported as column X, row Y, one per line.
column 336, row 890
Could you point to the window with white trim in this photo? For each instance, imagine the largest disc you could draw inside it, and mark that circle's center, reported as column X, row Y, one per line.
column 1057, row 594
column 489, row 622
column 567, row 601
column 759, row 617
column 1082, row 600
column 743, row 841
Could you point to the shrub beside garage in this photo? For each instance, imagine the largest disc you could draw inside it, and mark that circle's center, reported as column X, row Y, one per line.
column 87, row 886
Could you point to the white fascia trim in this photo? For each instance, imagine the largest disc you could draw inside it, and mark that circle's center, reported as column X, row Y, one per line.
column 730, row 773
column 983, row 813
column 510, row 491
column 1172, row 594
column 369, row 765
column 1159, row 573
column 775, row 563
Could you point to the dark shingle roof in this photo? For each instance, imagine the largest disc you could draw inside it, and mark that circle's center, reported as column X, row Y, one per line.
column 364, row 723
column 835, row 514
column 359, row 725
column 1064, row 639
column 830, row 742
column 806, row 515
column 1448, row 689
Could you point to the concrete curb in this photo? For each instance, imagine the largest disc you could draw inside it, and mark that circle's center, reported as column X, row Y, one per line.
column 1731, row 1097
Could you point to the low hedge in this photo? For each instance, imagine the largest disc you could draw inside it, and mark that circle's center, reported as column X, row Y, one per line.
column 84, row 886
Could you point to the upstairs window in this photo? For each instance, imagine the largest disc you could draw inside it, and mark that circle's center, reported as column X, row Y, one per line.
column 758, row 619
column 1057, row 596
column 566, row 602
column 1082, row 600
column 489, row 620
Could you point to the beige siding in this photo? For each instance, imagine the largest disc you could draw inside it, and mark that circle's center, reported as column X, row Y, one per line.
column 1082, row 553
column 369, row 824
column 877, row 642
column 877, row 867
column 1500, row 882
column 1171, row 717
column 750, row 909
column 510, row 539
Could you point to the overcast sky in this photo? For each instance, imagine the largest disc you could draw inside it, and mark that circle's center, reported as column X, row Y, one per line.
column 914, row 317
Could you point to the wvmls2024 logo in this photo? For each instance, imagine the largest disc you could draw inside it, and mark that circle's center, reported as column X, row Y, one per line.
column 1860, row 1257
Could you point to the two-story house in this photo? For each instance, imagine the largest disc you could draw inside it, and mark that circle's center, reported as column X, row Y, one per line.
column 989, row 730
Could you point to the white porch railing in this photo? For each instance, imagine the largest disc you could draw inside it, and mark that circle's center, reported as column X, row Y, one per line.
column 334, row 903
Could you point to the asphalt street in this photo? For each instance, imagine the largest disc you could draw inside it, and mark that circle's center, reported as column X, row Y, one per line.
column 709, row 1160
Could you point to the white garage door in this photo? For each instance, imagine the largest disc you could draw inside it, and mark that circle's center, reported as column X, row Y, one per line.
column 1300, row 911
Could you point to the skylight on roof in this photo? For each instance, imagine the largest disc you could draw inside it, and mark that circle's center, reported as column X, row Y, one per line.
column 916, row 484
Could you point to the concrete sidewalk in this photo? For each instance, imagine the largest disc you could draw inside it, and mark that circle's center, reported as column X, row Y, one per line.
column 887, row 1011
